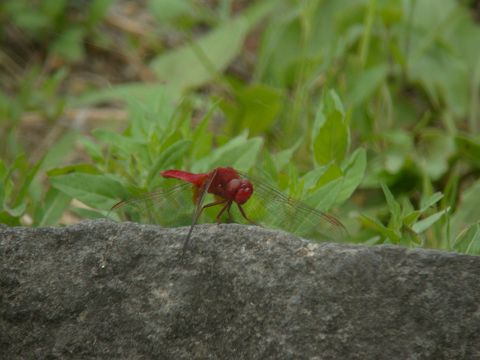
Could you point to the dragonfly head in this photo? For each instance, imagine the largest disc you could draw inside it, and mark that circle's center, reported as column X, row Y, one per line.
column 239, row 190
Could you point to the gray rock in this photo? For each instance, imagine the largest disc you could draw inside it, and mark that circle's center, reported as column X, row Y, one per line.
column 104, row 290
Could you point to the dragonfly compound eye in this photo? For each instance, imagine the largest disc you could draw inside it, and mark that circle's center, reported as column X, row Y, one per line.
column 244, row 192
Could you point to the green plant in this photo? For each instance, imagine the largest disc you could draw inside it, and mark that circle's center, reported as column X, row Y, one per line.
column 158, row 140
column 407, row 74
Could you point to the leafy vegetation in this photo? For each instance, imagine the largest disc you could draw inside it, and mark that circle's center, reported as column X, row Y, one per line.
column 365, row 108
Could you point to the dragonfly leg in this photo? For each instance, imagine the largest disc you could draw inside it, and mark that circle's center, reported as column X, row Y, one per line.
column 218, row 202
column 245, row 215
column 230, row 218
column 226, row 207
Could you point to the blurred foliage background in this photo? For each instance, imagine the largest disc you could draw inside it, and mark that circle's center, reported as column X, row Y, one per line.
column 365, row 108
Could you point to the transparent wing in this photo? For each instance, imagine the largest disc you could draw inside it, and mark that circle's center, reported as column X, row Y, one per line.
column 170, row 206
column 270, row 207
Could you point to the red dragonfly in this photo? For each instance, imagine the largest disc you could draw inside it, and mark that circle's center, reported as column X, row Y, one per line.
column 229, row 187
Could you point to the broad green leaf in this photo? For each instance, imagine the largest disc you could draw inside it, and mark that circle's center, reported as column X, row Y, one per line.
column 240, row 153
column 201, row 60
column 267, row 167
column 124, row 144
column 282, row 158
column 54, row 206
column 97, row 191
column 165, row 10
column 322, row 175
column 59, row 150
column 354, row 171
column 330, row 135
column 366, row 84
column 255, row 108
column 202, row 137
column 204, row 58
column 441, row 73
column 326, row 196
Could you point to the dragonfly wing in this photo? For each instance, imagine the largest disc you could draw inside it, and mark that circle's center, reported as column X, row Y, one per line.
column 271, row 207
column 156, row 207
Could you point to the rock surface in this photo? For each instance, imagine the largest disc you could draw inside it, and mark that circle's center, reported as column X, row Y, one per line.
column 242, row 293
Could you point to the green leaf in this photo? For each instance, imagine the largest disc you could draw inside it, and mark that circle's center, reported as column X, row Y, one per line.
column 326, row 196
column 354, row 172
column 434, row 150
column 97, row 191
column 377, row 226
column 53, row 9
column 69, row 45
column 255, row 108
column 318, row 177
column 424, row 224
column 468, row 211
column 16, row 211
column 238, row 153
column 207, row 57
column 59, row 150
column 131, row 92
column 469, row 148
column 330, row 135
column 400, row 145
column 52, row 210
column 366, row 84
column 430, row 201
column 168, row 157
column 92, row 149
column 411, row 218
column 32, row 172
column 393, row 205
column 468, row 241
column 97, row 10
column 282, row 158
column 87, row 213
column 124, row 144
column 165, row 10
column 204, row 58
column 7, row 219
column 83, row 168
